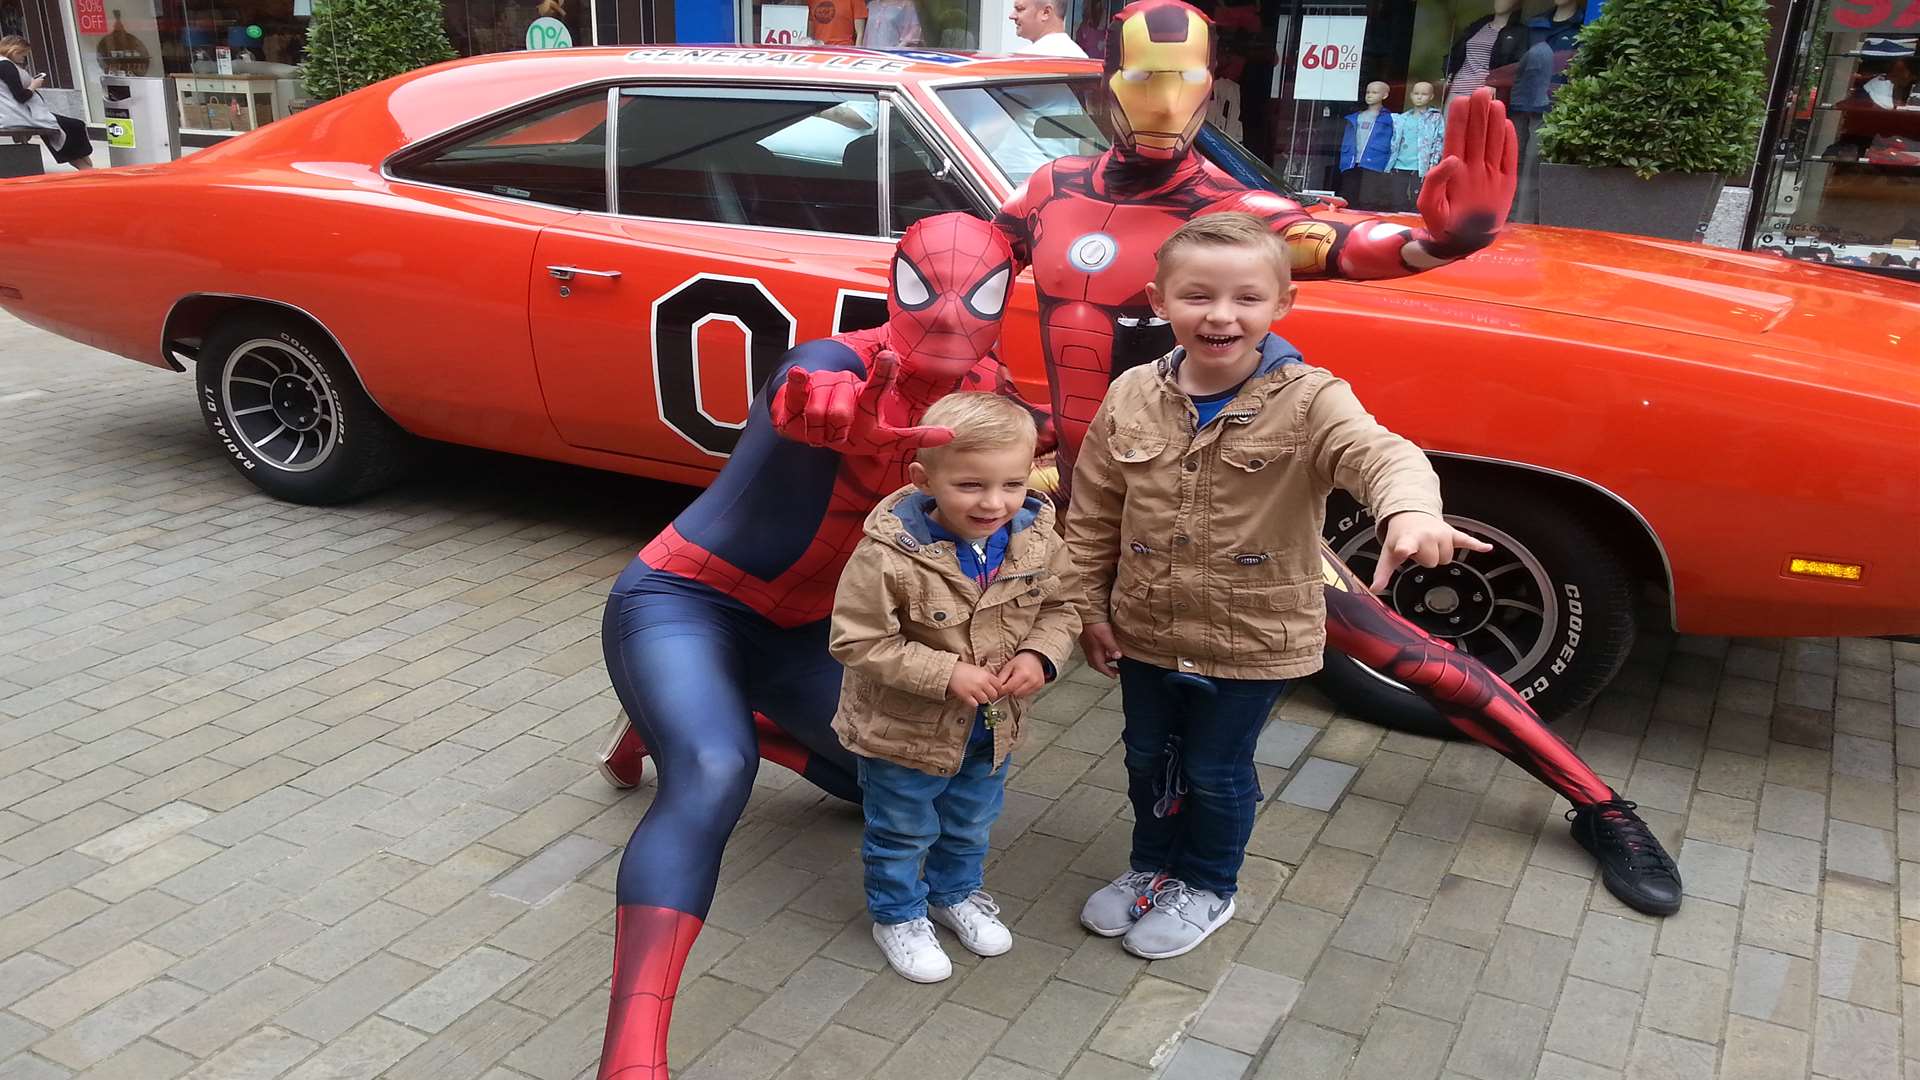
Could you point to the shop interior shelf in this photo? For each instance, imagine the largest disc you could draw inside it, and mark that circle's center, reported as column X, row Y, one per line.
column 1897, row 167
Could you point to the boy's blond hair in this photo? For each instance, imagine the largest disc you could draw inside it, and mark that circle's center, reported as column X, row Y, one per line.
column 980, row 421
column 1232, row 229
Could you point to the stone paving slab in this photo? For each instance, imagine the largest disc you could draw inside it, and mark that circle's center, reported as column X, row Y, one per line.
column 308, row 793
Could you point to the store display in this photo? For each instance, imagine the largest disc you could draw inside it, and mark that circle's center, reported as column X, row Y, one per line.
column 1844, row 183
column 1366, row 152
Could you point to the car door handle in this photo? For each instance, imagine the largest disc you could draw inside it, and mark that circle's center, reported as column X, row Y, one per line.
column 568, row 273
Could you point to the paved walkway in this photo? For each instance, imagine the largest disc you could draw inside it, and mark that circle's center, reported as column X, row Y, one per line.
column 307, row 792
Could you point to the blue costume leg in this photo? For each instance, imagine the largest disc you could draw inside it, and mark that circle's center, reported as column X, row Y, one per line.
column 793, row 681
column 676, row 660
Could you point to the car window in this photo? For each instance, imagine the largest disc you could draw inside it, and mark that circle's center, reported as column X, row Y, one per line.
column 555, row 155
column 922, row 181
column 1022, row 126
column 775, row 158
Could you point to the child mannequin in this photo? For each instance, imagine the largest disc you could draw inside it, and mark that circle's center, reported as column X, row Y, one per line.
column 1418, row 136
column 1366, row 148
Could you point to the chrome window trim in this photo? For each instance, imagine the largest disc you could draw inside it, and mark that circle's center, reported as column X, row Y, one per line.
column 613, row 149
column 883, row 159
column 1666, row 562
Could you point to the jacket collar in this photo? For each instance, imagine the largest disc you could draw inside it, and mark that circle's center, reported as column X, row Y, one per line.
column 901, row 522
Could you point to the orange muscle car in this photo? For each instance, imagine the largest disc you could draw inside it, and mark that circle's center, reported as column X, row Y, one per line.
column 597, row 255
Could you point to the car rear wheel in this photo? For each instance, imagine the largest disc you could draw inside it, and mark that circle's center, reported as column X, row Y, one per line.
column 282, row 402
column 1550, row 609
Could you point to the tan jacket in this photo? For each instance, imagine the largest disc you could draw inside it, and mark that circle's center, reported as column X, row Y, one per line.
column 905, row 614
column 1203, row 548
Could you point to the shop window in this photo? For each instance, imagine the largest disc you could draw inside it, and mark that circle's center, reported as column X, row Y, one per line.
column 773, row 158
column 1845, row 184
column 922, row 181
column 890, row 24
column 556, row 155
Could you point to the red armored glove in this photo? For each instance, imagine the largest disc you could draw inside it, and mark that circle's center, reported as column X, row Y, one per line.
column 839, row 411
column 1465, row 199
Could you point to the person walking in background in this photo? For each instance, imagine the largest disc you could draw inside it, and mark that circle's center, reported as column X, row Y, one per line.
column 1042, row 29
column 21, row 106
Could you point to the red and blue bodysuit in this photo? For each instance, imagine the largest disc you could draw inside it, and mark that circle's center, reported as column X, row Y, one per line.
column 716, row 634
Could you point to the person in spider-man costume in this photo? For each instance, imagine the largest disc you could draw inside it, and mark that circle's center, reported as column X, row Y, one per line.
column 1090, row 227
column 716, row 634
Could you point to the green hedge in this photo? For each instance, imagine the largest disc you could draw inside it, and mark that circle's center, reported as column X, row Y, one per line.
column 355, row 43
column 1664, row 86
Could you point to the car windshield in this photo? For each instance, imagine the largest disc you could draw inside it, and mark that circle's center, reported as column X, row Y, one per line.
column 1022, row 126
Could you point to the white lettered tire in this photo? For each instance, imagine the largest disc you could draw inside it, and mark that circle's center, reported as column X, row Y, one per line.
column 286, row 409
column 1550, row 610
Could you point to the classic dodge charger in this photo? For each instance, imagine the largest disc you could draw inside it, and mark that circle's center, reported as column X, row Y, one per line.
column 597, row 256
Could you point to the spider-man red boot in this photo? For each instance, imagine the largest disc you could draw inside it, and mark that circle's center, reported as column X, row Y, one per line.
column 650, row 947
column 623, row 762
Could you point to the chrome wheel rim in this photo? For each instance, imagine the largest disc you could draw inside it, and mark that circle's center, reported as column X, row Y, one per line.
column 280, row 405
column 1500, row 608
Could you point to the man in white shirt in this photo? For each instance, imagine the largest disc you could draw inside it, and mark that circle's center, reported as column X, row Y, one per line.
column 1040, row 23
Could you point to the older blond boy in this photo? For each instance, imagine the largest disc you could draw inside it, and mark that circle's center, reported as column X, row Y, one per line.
column 1198, row 501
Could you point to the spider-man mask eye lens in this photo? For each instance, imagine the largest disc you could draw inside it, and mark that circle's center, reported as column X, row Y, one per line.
column 910, row 290
column 990, row 296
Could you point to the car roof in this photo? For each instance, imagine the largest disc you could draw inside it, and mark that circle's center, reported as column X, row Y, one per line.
column 368, row 125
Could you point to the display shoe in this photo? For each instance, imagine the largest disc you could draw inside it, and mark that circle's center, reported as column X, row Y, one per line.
column 913, row 951
column 1887, row 47
column 1114, row 907
column 976, row 921
column 624, row 759
column 1182, row 918
column 1633, row 865
column 1894, row 150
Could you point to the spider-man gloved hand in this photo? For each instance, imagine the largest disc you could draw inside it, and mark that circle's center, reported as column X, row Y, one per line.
column 1465, row 199
column 840, row 411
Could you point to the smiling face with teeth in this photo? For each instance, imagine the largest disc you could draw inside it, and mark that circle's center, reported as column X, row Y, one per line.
column 1221, row 296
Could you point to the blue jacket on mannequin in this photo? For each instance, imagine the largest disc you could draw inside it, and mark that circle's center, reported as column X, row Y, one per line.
column 1377, row 152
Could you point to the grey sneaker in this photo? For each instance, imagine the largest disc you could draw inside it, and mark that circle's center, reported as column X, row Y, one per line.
column 1181, row 919
column 1111, row 911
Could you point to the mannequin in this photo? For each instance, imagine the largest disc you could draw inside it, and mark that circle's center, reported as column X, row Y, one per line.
column 1366, row 148
column 1419, row 133
column 1484, row 53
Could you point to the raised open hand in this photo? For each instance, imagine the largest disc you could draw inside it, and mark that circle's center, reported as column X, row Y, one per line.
column 1465, row 199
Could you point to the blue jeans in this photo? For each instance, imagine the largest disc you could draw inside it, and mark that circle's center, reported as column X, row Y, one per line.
column 914, row 816
column 1206, row 841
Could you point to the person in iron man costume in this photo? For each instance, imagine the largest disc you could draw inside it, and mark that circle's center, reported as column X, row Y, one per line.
column 1089, row 228
column 716, row 634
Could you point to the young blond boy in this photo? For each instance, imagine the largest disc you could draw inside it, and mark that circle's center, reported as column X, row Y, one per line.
column 959, row 603
column 1198, row 501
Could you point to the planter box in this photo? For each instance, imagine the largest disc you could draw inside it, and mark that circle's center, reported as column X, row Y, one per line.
column 1671, row 205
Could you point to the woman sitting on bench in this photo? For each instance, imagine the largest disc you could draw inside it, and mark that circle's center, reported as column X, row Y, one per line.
column 21, row 107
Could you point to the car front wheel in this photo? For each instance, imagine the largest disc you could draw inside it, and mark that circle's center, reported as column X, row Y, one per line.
column 1549, row 609
column 286, row 408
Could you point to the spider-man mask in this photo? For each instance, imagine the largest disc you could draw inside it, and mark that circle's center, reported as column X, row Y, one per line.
column 951, row 276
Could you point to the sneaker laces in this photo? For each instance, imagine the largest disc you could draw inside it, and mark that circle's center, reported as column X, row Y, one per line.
column 1626, row 831
column 980, row 901
column 1173, row 894
column 914, row 932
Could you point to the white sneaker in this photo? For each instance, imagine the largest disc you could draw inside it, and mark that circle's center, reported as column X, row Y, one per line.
column 911, row 950
column 976, row 921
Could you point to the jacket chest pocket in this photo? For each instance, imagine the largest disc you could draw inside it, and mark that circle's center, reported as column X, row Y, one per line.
column 1135, row 448
column 1264, row 457
column 1033, row 590
column 939, row 611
